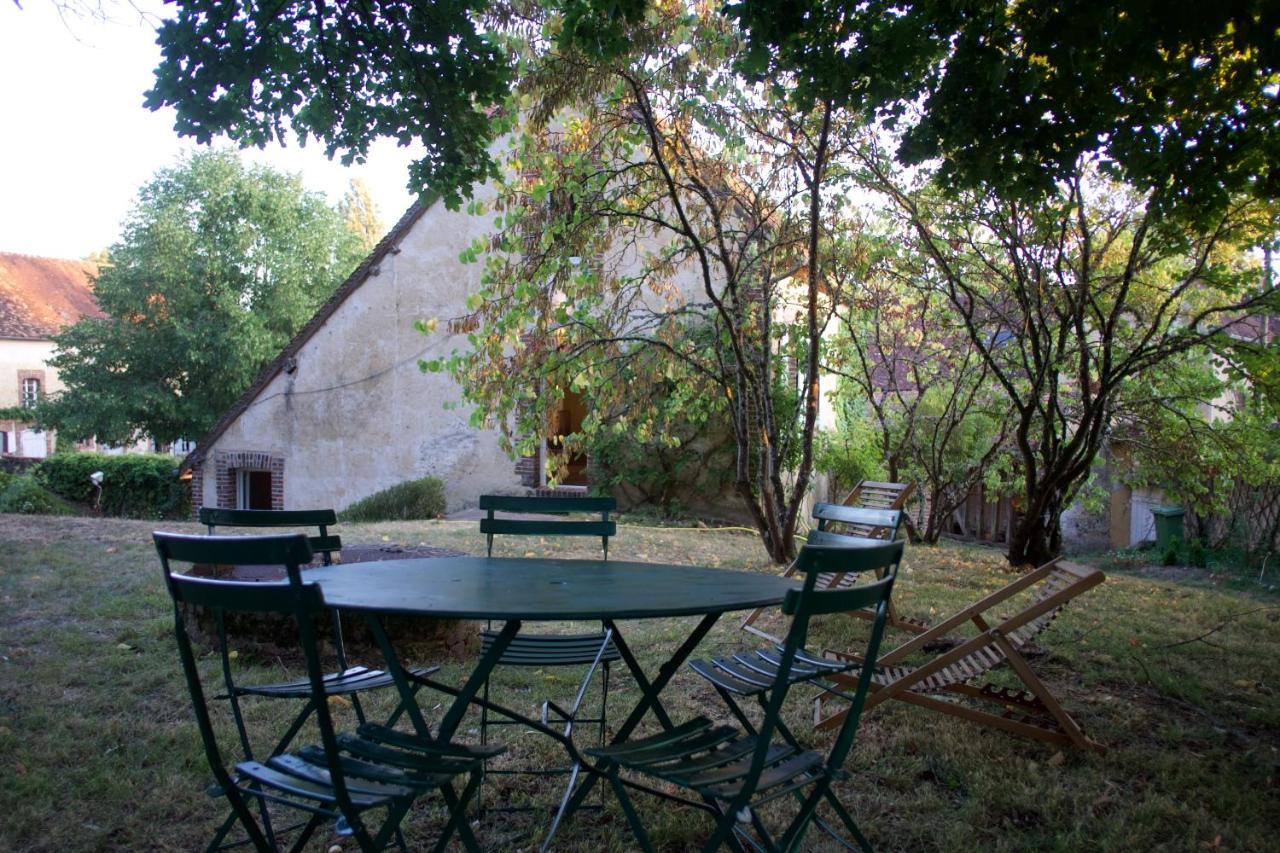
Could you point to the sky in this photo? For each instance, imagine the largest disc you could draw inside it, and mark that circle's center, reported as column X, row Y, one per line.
column 76, row 144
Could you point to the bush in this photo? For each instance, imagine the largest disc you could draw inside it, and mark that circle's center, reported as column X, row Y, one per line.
column 133, row 486
column 407, row 501
column 24, row 495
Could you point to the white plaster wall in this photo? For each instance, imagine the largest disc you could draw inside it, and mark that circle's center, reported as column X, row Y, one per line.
column 16, row 355
column 357, row 415
column 25, row 355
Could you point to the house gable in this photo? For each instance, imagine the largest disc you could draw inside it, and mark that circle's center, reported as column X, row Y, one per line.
column 368, row 268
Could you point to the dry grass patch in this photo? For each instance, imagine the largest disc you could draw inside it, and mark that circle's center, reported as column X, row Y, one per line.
column 98, row 750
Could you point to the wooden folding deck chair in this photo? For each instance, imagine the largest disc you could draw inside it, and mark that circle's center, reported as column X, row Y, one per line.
column 943, row 683
column 872, row 495
column 881, row 524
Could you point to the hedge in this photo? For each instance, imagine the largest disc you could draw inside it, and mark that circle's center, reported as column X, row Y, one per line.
column 407, row 501
column 24, row 495
column 133, row 485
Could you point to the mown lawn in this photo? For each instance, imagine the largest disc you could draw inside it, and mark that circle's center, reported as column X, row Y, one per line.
column 1176, row 678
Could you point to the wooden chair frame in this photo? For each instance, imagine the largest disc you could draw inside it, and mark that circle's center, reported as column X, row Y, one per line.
column 943, row 682
column 873, row 495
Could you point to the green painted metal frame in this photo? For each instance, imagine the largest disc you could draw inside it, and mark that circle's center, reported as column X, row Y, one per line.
column 324, row 544
column 347, row 681
column 469, row 694
column 802, row 605
column 341, row 800
column 491, row 525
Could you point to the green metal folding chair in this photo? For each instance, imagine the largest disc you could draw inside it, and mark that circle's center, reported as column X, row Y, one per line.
column 734, row 771
column 594, row 651
column 348, row 681
column 754, row 673
column 344, row 777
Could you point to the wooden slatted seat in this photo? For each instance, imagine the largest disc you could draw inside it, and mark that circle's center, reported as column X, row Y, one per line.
column 346, row 777
column 880, row 495
column 942, row 683
column 734, row 770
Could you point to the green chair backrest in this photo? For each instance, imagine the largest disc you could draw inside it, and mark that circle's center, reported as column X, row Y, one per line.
column 604, row 528
column 808, row 601
column 324, row 544
column 291, row 598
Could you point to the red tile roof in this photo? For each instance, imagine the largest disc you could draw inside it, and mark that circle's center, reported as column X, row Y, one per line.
column 39, row 296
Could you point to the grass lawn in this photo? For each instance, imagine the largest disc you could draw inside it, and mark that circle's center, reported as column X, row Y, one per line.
column 1178, row 679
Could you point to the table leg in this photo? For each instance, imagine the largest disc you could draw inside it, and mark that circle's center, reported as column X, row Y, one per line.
column 408, row 697
column 479, row 675
column 649, row 696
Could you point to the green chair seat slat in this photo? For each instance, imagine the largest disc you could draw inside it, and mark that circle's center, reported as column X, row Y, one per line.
column 362, row 776
column 531, row 503
column 828, row 539
column 671, row 735
column 367, row 760
column 820, row 666
column 733, row 770
column 297, row 786
column 735, row 669
column 406, row 741
column 669, row 753
column 799, row 770
column 350, row 680
column 723, row 679
column 729, row 752
column 552, row 649
column 547, row 527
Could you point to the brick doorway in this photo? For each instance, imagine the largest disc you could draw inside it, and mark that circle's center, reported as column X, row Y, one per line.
column 249, row 480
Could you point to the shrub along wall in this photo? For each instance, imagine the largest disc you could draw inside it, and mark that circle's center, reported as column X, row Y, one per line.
column 133, row 486
column 407, row 501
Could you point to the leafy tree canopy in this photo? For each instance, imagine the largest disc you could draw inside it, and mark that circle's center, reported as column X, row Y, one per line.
column 1180, row 99
column 343, row 73
column 218, row 268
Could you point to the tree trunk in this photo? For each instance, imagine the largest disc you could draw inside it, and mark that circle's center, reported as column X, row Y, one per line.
column 1033, row 542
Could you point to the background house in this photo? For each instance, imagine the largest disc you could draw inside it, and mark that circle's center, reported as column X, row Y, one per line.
column 38, row 297
column 344, row 411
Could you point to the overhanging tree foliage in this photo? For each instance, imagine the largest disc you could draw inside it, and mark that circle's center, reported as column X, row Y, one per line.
column 342, row 72
column 1179, row 100
column 218, row 267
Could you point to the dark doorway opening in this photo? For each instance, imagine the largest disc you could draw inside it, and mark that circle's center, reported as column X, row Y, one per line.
column 565, row 422
column 255, row 490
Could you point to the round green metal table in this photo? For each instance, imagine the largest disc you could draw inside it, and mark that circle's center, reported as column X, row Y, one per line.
column 515, row 590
